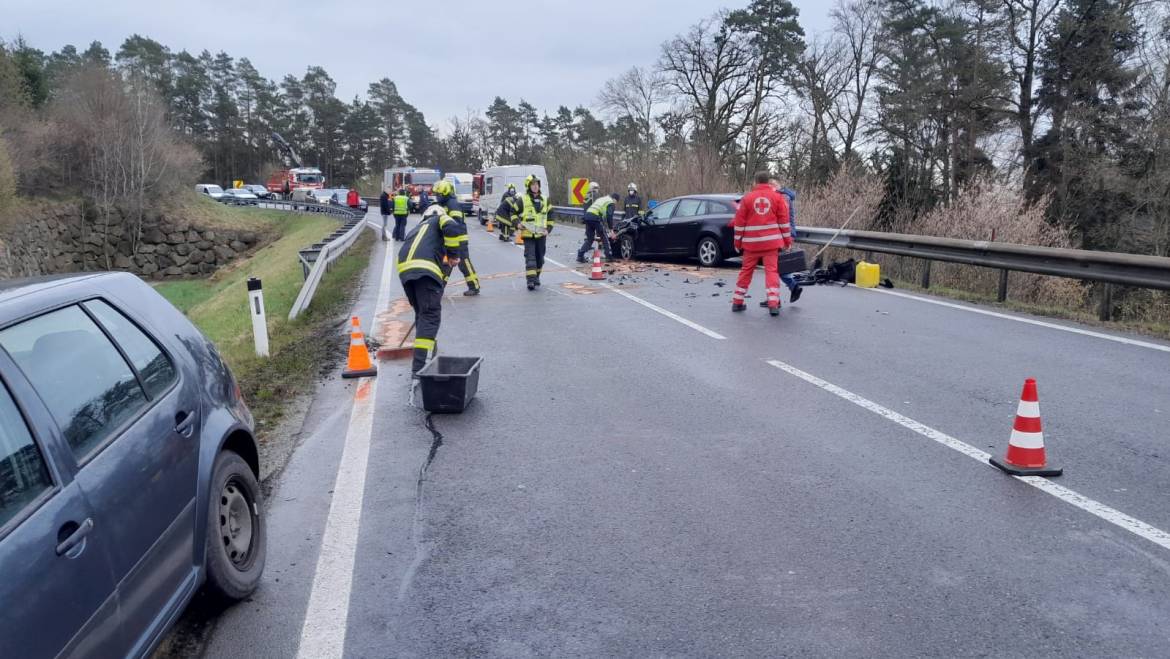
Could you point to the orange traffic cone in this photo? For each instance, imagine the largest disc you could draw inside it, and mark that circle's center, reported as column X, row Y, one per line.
column 1025, row 452
column 359, row 364
column 491, row 226
column 519, row 238
column 597, row 274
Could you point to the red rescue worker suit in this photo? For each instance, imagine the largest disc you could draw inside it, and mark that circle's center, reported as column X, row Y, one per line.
column 761, row 231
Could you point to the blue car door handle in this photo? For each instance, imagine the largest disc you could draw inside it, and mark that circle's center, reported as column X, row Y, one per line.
column 74, row 535
column 184, row 423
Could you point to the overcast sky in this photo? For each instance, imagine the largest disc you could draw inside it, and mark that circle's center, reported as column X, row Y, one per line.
column 450, row 57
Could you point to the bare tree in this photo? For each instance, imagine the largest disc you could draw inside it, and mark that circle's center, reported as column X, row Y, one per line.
column 857, row 24
column 636, row 94
column 820, row 78
column 1026, row 25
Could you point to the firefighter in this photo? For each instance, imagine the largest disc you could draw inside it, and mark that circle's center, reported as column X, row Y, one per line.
column 508, row 212
column 591, row 195
column 384, row 204
column 633, row 201
column 401, row 212
column 535, row 227
column 761, row 231
column 446, row 198
column 424, row 262
column 598, row 224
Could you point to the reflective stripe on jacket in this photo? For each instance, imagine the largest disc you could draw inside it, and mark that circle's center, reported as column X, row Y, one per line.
column 427, row 245
column 761, row 221
column 509, row 210
column 534, row 215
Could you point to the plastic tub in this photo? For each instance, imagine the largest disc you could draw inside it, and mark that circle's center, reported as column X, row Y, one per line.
column 449, row 383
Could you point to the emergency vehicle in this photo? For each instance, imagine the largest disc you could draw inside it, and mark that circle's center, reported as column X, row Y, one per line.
column 414, row 179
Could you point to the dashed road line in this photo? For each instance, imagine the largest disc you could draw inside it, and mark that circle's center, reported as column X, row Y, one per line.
column 1071, row 497
column 1029, row 321
column 653, row 307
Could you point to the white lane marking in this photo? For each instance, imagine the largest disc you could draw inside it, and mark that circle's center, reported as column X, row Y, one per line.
column 653, row 307
column 1030, row 321
column 1071, row 497
column 324, row 628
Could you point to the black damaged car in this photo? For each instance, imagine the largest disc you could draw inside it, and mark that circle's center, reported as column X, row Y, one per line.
column 695, row 226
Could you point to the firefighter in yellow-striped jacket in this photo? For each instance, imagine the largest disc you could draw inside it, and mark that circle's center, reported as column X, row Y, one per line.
column 425, row 260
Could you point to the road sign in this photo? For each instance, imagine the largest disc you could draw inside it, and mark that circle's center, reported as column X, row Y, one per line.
column 237, row 184
column 577, row 189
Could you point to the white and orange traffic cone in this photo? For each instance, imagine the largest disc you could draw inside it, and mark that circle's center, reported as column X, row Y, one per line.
column 1025, row 452
column 491, row 226
column 358, row 365
column 596, row 274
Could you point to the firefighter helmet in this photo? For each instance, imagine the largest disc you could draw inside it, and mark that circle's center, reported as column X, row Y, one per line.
column 632, row 187
column 443, row 188
column 529, row 180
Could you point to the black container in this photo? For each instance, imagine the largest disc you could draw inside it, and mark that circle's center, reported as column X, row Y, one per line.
column 793, row 261
column 449, row 383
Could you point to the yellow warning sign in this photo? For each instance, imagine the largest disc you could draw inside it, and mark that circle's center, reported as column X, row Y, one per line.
column 577, row 189
column 237, row 184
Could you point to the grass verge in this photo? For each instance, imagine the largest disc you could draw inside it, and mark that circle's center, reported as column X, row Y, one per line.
column 300, row 350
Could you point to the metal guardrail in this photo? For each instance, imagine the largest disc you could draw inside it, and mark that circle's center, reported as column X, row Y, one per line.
column 1109, row 268
column 317, row 259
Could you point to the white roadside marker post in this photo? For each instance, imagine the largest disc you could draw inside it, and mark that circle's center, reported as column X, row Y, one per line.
column 256, row 310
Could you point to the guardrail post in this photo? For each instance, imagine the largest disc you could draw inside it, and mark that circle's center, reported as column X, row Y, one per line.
column 926, row 273
column 1001, row 295
column 1105, row 311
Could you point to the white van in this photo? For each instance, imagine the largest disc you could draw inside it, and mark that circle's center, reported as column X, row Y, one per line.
column 495, row 184
column 463, row 190
column 210, row 189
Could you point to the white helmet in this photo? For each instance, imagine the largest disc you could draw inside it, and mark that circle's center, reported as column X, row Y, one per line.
column 433, row 209
column 632, row 187
column 594, row 186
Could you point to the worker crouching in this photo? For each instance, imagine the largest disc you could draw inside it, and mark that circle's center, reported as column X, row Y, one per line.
column 424, row 262
column 508, row 213
column 761, row 231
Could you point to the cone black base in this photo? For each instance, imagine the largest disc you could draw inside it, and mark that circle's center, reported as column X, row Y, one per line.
column 365, row 373
column 1016, row 470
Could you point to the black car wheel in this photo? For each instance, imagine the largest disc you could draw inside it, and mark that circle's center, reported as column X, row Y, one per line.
column 710, row 254
column 626, row 247
column 236, row 535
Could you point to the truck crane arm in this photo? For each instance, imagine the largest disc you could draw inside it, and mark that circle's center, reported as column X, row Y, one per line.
column 290, row 156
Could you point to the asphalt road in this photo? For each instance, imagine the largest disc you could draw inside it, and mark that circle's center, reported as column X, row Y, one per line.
column 646, row 476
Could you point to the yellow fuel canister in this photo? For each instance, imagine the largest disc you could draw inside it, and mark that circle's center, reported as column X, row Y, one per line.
column 867, row 275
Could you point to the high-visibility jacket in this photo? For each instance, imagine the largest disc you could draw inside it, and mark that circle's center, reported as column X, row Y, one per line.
column 401, row 205
column 509, row 210
column 761, row 222
column 534, row 219
column 427, row 245
column 601, row 211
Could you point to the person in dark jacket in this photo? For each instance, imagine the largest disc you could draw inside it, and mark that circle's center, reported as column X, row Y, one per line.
column 424, row 200
column 424, row 263
column 794, row 289
column 384, row 208
column 508, row 212
column 445, row 196
column 632, row 204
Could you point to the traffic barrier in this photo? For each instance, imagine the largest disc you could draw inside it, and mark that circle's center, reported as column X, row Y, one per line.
column 597, row 274
column 1025, row 453
column 358, row 365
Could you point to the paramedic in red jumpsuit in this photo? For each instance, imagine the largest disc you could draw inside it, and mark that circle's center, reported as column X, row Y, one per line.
column 761, row 231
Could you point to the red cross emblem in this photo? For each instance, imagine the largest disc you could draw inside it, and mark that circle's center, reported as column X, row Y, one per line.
column 763, row 205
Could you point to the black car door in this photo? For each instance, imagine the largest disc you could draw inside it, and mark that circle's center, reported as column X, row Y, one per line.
column 652, row 232
column 682, row 231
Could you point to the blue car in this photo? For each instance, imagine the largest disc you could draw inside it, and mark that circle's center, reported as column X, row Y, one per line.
column 128, row 469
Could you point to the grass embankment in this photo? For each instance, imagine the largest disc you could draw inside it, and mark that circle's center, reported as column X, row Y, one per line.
column 301, row 349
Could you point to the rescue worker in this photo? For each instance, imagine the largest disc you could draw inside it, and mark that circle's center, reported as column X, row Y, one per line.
column 401, row 212
column 535, row 227
column 384, row 208
column 424, row 200
column 598, row 224
column 353, row 199
column 508, row 212
column 761, row 231
column 446, row 198
column 591, row 195
column 424, row 262
column 795, row 289
column 633, row 201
